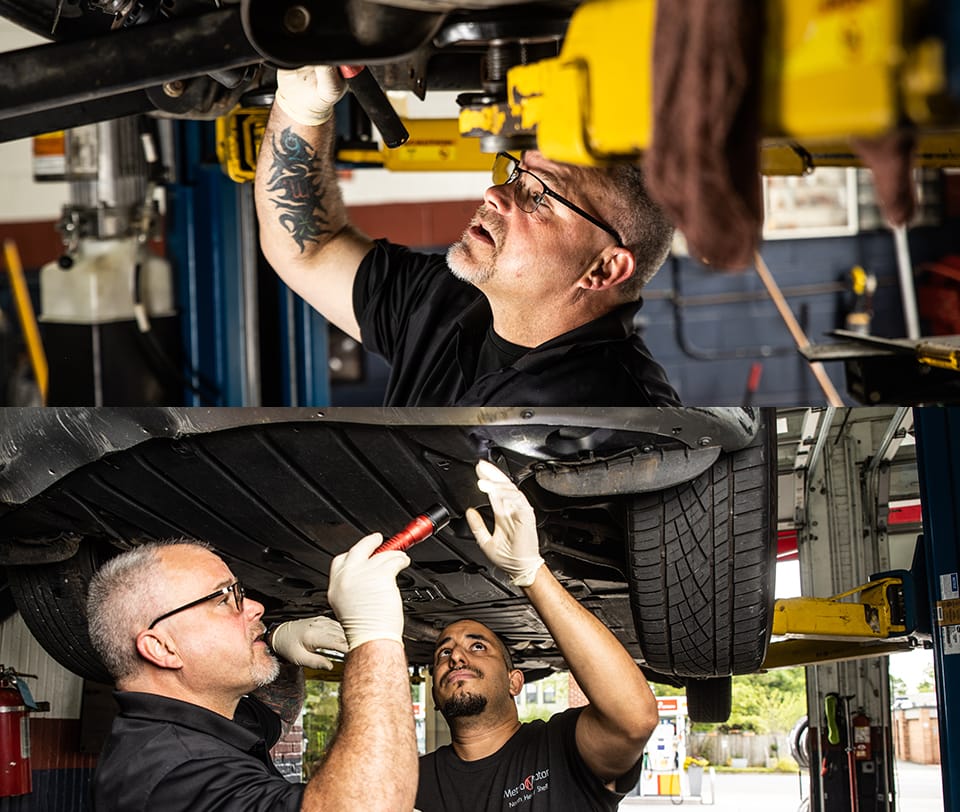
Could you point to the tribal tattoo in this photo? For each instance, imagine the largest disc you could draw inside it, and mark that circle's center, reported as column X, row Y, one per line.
column 297, row 178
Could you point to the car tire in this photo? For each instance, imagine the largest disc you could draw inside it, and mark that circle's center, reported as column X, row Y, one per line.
column 52, row 599
column 702, row 562
column 709, row 700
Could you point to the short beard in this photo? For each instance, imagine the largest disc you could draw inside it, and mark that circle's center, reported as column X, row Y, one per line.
column 263, row 673
column 463, row 705
column 462, row 264
column 467, row 269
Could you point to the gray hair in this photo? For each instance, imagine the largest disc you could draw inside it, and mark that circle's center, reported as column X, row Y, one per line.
column 641, row 223
column 122, row 599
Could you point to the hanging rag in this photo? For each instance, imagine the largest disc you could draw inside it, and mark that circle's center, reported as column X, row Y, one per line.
column 889, row 157
column 703, row 164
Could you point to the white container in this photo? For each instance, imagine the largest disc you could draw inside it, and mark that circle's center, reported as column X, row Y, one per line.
column 99, row 286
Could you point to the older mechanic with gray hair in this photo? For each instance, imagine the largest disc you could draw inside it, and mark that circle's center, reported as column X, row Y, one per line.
column 187, row 647
column 536, row 304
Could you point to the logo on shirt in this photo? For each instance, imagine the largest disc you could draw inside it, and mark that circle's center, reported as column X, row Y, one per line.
column 527, row 788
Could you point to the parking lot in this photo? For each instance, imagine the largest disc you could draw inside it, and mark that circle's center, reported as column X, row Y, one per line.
column 919, row 789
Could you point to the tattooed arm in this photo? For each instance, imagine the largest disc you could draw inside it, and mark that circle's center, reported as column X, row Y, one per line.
column 285, row 695
column 304, row 231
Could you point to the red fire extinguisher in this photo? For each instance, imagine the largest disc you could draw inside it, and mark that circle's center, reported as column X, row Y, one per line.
column 15, row 775
column 862, row 742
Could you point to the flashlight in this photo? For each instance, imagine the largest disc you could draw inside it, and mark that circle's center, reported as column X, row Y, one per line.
column 434, row 518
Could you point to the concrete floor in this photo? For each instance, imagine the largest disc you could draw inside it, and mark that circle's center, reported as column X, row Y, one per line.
column 919, row 789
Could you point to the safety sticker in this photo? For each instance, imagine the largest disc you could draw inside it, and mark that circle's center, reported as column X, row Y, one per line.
column 948, row 613
column 948, row 586
column 950, row 639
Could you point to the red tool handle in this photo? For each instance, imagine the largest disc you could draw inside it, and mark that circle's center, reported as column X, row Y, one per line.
column 422, row 527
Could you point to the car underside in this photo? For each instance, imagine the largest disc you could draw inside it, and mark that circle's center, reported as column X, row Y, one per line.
column 200, row 58
column 657, row 520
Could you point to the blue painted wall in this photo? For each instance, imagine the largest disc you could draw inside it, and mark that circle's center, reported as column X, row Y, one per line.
column 699, row 345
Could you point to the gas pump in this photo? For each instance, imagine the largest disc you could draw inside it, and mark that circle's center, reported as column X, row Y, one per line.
column 666, row 749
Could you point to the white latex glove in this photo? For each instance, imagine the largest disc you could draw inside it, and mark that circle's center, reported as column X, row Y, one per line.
column 363, row 592
column 308, row 94
column 300, row 641
column 514, row 545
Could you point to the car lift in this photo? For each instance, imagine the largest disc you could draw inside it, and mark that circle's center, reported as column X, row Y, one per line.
column 816, row 630
column 831, row 72
column 844, row 639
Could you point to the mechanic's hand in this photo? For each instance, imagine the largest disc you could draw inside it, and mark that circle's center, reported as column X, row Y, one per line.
column 300, row 641
column 513, row 546
column 308, row 94
column 363, row 592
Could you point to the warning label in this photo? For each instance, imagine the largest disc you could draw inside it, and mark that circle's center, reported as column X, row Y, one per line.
column 948, row 586
column 950, row 638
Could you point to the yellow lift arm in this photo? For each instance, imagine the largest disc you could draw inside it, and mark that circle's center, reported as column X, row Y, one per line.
column 433, row 145
column 831, row 71
column 871, row 620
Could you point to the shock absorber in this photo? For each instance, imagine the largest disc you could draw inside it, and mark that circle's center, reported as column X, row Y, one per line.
column 434, row 518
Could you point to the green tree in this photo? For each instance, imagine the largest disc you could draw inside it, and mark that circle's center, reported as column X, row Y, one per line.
column 898, row 687
column 321, row 711
column 662, row 689
column 557, row 686
column 926, row 684
column 770, row 702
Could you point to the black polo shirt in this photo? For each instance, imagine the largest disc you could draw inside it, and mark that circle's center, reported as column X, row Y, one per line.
column 430, row 327
column 164, row 754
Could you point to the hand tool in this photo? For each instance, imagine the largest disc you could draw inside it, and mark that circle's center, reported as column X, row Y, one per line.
column 434, row 518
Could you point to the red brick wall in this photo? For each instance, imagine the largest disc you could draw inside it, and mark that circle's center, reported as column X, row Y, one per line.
column 415, row 224
column 287, row 753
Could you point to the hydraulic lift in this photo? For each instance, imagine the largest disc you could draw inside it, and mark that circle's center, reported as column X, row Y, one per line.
column 844, row 479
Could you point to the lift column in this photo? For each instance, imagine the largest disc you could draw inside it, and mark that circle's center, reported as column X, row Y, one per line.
column 938, row 462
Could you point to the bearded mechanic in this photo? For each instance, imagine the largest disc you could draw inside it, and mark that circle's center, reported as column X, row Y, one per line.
column 581, row 759
column 536, row 304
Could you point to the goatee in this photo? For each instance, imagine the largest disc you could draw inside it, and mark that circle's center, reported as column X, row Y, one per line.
column 266, row 671
column 463, row 705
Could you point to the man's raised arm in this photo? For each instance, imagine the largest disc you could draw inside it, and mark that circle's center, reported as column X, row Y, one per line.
column 304, row 231
column 613, row 730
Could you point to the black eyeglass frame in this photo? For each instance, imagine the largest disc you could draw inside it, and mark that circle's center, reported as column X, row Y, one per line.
column 238, row 594
column 519, row 170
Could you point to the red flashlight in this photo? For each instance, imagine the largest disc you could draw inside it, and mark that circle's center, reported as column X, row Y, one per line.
column 434, row 518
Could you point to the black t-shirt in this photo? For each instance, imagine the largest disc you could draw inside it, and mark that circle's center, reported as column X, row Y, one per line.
column 164, row 754
column 430, row 327
column 538, row 770
column 497, row 353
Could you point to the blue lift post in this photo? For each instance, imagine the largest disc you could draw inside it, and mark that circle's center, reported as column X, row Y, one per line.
column 938, row 463
column 203, row 240
column 205, row 236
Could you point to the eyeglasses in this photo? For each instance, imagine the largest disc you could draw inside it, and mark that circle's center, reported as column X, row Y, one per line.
column 529, row 191
column 235, row 589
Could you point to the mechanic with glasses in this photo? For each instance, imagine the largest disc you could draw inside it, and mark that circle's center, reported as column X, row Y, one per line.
column 536, row 303
column 202, row 685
